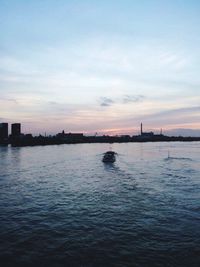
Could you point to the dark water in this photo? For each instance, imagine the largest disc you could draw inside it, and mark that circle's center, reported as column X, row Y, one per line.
column 61, row 206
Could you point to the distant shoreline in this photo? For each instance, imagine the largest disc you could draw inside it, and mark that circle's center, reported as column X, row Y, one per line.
column 43, row 141
column 18, row 139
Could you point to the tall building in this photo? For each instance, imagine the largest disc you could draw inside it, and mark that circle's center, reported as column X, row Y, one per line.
column 15, row 129
column 3, row 131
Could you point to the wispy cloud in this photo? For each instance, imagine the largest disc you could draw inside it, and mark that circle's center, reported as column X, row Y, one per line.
column 10, row 100
column 132, row 98
column 179, row 112
column 106, row 102
column 124, row 99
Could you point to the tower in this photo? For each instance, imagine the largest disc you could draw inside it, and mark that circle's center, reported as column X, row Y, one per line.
column 141, row 132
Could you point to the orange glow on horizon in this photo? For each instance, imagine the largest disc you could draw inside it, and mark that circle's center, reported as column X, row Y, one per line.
column 135, row 131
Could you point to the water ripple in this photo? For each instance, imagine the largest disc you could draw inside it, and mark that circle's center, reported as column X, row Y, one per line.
column 59, row 208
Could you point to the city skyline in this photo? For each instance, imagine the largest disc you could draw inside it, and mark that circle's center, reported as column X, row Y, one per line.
column 19, row 139
column 100, row 66
column 14, row 128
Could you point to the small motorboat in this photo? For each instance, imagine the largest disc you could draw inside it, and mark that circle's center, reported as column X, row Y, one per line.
column 109, row 157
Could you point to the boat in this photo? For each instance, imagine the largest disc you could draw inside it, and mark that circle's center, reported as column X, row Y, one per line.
column 109, row 157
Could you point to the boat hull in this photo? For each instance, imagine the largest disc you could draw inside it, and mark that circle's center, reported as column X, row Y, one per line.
column 109, row 157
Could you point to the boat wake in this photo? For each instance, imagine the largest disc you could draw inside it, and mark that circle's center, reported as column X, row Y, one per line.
column 177, row 158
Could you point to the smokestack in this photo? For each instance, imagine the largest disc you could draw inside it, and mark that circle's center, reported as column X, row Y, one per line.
column 141, row 129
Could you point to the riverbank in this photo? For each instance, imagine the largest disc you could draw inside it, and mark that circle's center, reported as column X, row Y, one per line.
column 43, row 140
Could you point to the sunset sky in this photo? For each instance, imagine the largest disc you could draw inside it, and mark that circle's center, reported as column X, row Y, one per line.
column 100, row 65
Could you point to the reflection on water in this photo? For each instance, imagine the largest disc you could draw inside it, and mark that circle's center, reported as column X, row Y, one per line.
column 177, row 158
column 62, row 206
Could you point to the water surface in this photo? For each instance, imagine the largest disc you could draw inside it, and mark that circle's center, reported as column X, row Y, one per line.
column 61, row 206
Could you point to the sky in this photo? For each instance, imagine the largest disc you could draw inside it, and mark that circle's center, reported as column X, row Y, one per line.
column 101, row 67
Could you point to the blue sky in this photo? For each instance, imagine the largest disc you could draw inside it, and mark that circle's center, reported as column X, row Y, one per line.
column 100, row 66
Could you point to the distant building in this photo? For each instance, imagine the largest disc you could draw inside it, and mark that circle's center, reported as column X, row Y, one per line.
column 15, row 129
column 145, row 134
column 124, row 136
column 70, row 136
column 74, row 135
column 3, row 131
